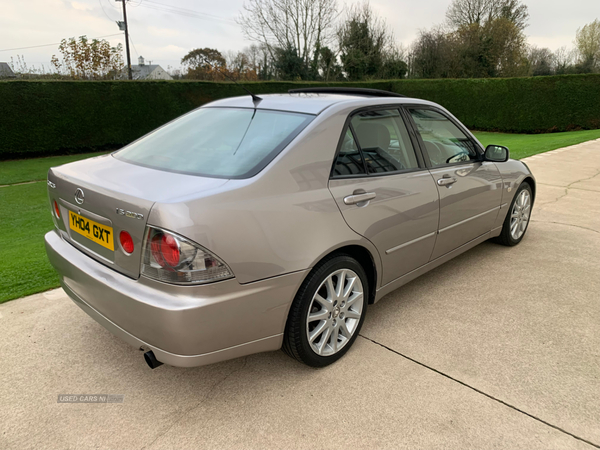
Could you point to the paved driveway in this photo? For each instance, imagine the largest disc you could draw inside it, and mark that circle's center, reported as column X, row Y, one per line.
column 498, row 348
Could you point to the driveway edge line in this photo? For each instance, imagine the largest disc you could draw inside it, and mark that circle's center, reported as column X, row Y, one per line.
column 480, row 392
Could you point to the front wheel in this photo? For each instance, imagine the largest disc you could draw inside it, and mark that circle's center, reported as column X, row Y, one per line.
column 327, row 313
column 517, row 218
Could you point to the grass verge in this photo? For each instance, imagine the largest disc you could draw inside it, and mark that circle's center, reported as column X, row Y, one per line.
column 24, row 219
column 524, row 145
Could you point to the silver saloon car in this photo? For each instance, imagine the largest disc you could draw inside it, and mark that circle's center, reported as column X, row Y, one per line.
column 253, row 224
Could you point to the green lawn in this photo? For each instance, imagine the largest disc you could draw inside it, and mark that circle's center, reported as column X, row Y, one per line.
column 25, row 212
column 523, row 145
column 23, row 170
column 24, row 219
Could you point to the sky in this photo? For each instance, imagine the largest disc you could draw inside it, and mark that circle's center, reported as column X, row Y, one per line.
column 164, row 37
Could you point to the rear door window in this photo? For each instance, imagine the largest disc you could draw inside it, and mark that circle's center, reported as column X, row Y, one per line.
column 384, row 141
column 217, row 142
column 349, row 160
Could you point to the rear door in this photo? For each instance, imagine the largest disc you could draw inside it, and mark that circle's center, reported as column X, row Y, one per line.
column 469, row 189
column 384, row 190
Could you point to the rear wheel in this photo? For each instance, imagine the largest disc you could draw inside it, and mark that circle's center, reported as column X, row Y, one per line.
column 327, row 313
column 517, row 218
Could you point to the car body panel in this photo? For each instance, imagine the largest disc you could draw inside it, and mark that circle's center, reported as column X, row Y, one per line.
column 469, row 207
column 399, row 282
column 401, row 221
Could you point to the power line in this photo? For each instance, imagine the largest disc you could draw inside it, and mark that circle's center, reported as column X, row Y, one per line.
column 184, row 12
column 191, row 11
column 112, row 5
column 105, row 13
column 193, row 15
column 56, row 43
column 136, row 52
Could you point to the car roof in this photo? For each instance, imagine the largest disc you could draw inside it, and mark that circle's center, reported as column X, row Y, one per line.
column 309, row 103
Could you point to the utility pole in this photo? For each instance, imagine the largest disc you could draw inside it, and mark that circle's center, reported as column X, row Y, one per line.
column 126, row 27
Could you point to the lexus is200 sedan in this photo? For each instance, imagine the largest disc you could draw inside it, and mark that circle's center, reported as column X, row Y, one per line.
column 252, row 224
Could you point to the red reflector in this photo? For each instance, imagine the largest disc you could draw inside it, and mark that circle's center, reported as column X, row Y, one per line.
column 56, row 209
column 169, row 250
column 126, row 241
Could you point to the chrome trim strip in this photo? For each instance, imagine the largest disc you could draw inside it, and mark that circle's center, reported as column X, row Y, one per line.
column 503, row 205
column 398, row 247
column 85, row 213
column 470, row 218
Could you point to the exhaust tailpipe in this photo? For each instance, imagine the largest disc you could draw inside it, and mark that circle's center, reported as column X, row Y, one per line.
column 151, row 360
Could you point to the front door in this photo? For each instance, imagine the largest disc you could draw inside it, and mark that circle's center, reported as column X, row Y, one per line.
column 470, row 190
column 384, row 191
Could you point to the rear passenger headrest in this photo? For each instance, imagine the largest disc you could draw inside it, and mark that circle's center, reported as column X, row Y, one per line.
column 373, row 135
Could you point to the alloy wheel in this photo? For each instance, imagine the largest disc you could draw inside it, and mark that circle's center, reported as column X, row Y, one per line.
column 519, row 216
column 334, row 313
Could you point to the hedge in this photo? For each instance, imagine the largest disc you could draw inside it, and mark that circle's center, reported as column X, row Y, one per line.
column 57, row 117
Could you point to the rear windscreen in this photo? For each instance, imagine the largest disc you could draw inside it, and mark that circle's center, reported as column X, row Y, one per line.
column 217, row 142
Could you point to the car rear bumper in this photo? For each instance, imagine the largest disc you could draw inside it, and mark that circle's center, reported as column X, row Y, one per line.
column 185, row 326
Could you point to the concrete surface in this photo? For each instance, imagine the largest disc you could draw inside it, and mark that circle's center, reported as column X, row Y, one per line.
column 498, row 348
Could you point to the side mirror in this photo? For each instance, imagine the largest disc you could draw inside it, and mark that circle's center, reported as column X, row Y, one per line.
column 496, row 153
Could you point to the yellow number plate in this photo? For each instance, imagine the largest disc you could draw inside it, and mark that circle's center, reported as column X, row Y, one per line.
column 98, row 233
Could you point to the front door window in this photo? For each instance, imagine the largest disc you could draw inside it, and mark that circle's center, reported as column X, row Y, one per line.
column 444, row 142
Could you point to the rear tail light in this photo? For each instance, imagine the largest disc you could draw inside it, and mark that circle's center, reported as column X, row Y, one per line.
column 56, row 210
column 126, row 241
column 172, row 258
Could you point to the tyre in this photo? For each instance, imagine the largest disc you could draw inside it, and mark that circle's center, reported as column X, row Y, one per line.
column 327, row 312
column 517, row 217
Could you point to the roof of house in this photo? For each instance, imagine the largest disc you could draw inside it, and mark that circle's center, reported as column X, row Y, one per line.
column 6, row 71
column 140, row 72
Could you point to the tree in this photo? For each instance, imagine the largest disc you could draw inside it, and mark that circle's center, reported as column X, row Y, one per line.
column 367, row 48
column 88, row 60
column 467, row 12
column 514, row 11
column 289, row 65
column 285, row 25
column 240, row 66
column 328, row 66
column 541, row 61
column 587, row 41
column 505, row 47
column 563, row 60
column 489, row 37
column 204, row 64
column 434, row 55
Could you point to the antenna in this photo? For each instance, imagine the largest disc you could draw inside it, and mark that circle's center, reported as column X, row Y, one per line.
column 255, row 98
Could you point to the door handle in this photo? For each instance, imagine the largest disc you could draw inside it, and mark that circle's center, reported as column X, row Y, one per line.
column 446, row 181
column 355, row 199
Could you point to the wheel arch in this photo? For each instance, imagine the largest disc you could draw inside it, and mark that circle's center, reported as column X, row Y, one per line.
column 531, row 183
column 365, row 258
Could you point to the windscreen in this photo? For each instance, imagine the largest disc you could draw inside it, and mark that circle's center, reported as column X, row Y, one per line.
column 217, row 142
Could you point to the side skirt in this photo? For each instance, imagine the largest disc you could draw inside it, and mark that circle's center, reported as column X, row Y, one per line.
column 401, row 281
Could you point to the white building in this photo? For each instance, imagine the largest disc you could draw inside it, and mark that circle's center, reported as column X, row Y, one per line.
column 145, row 71
column 6, row 71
